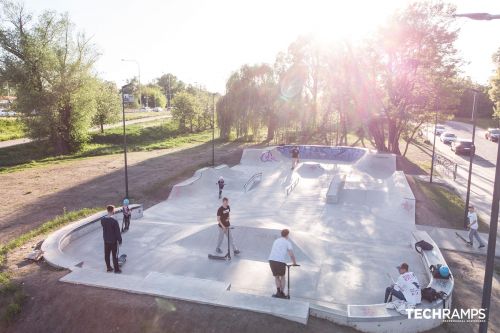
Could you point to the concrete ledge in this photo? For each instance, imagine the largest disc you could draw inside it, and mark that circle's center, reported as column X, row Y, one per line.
column 191, row 289
column 55, row 243
column 337, row 184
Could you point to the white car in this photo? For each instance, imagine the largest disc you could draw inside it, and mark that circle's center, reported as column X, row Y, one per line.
column 448, row 137
column 3, row 113
column 11, row 113
column 440, row 129
column 157, row 109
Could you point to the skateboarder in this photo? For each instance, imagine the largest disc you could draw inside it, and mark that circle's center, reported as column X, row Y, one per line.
column 224, row 224
column 277, row 261
column 295, row 157
column 220, row 182
column 112, row 235
column 406, row 288
column 127, row 214
column 473, row 225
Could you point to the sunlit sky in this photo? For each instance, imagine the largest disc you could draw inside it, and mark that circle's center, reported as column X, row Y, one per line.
column 204, row 41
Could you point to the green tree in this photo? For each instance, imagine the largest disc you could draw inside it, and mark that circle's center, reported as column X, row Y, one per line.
column 186, row 110
column 494, row 91
column 171, row 86
column 153, row 96
column 51, row 68
column 108, row 104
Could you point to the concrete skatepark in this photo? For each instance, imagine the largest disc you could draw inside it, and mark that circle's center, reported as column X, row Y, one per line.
column 351, row 217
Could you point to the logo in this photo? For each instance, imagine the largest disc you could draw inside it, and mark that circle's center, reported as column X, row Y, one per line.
column 449, row 315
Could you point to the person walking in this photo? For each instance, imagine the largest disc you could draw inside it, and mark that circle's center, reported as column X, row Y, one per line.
column 127, row 214
column 473, row 226
column 406, row 288
column 282, row 247
column 295, row 156
column 220, row 182
column 224, row 224
column 112, row 236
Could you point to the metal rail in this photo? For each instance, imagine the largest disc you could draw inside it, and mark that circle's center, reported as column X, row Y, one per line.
column 252, row 180
column 290, row 187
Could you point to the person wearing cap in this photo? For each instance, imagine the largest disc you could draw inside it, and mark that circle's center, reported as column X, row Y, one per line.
column 220, row 182
column 406, row 288
column 473, row 226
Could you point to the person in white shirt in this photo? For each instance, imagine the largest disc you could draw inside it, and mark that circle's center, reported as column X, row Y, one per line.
column 406, row 288
column 282, row 247
column 473, row 225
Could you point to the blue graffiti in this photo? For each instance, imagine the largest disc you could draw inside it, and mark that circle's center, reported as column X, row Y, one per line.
column 341, row 154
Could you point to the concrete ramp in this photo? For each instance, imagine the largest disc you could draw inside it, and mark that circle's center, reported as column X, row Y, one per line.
column 191, row 289
column 377, row 165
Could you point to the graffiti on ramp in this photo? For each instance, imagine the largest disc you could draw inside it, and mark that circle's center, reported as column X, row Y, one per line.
column 267, row 156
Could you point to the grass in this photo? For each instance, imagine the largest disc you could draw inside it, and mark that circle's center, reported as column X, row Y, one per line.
column 480, row 122
column 147, row 136
column 448, row 204
column 11, row 128
column 140, row 115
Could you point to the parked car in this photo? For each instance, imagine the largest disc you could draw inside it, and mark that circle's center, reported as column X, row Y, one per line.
column 461, row 146
column 11, row 113
column 3, row 113
column 447, row 137
column 157, row 109
column 492, row 134
column 440, row 129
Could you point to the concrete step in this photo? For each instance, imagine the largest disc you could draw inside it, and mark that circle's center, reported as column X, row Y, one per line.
column 191, row 289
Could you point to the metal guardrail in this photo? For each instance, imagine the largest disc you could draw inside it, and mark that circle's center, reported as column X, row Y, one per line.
column 290, row 187
column 252, row 180
column 447, row 167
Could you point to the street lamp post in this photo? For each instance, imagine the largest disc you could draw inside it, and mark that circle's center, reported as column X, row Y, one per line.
column 433, row 145
column 471, row 157
column 125, row 140
column 213, row 130
column 492, row 236
column 139, row 77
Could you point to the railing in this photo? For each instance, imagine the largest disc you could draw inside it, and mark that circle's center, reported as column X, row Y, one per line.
column 290, row 187
column 447, row 167
column 252, row 180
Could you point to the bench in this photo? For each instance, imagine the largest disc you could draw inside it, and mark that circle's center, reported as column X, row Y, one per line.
column 336, row 185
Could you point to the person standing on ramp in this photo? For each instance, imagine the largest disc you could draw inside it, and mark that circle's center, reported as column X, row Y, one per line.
column 277, row 261
column 295, row 157
column 220, row 182
column 112, row 235
column 224, row 224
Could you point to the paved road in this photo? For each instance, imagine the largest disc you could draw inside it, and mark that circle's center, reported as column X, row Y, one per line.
column 483, row 167
column 10, row 143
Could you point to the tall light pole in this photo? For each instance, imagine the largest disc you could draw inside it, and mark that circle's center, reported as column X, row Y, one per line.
column 471, row 157
column 125, row 140
column 139, row 77
column 492, row 236
column 213, row 129
column 433, row 145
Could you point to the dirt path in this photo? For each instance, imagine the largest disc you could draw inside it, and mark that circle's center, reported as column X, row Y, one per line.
column 34, row 196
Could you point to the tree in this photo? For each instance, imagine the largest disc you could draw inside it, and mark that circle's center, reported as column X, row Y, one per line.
column 186, row 110
column 51, row 68
column 108, row 104
column 171, row 86
column 153, row 96
column 494, row 91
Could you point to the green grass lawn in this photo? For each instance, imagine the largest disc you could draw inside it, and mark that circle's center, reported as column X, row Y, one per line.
column 139, row 115
column 448, row 204
column 11, row 128
column 156, row 134
column 480, row 122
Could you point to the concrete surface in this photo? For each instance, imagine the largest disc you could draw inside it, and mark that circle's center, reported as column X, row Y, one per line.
column 345, row 249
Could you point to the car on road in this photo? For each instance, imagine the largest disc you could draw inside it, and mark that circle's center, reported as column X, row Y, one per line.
column 492, row 134
column 157, row 109
column 3, row 113
column 447, row 137
column 463, row 146
column 440, row 129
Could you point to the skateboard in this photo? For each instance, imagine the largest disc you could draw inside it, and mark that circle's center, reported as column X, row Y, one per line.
column 122, row 259
column 228, row 254
column 462, row 238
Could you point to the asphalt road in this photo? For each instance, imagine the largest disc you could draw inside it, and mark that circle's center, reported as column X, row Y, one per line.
column 483, row 167
column 15, row 142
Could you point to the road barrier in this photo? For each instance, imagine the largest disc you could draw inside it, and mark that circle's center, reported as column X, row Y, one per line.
column 445, row 166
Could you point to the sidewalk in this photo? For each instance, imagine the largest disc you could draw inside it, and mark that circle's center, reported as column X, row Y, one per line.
column 447, row 239
column 15, row 142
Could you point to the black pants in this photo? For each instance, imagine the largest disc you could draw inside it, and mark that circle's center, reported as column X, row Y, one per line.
column 126, row 223
column 111, row 248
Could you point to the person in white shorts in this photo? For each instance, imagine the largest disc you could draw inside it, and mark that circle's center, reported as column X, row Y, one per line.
column 282, row 247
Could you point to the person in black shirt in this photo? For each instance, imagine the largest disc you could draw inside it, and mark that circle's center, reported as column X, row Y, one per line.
column 112, row 235
column 223, row 222
column 295, row 157
column 220, row 182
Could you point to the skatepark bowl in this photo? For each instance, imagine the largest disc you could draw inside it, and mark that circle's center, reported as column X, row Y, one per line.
column 351, row 217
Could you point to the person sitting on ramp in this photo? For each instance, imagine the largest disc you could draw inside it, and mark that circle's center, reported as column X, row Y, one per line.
column 224, row 224
column 277, row 261
column 406, row 287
